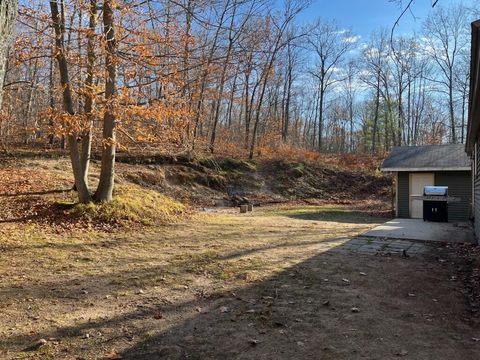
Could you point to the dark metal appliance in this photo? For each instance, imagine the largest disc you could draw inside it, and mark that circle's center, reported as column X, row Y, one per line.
column 435, row 203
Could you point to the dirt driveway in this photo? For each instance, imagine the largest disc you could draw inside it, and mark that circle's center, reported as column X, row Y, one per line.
column 281, row 283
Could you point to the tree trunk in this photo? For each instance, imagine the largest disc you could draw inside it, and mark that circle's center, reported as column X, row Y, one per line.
column 87, row 136
column 230, row 104
column 320, row 116
column 375, row 120
column 107, row 173
column 51, row 136
column 287, row 103
column 350, row 116
column 8, row 11
column 451, row 108
column 247, row 110
column 80, row 185
column 464, row 101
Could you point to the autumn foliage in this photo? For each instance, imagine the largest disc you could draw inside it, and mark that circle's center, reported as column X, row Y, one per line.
column 229, row 77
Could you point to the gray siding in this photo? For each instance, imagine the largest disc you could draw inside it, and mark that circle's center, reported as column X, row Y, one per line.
column 403, row 195
column 477, row 206
column 476, row 189
column 459, row 185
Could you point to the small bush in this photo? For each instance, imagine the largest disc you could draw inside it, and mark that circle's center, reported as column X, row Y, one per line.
column 132, row 204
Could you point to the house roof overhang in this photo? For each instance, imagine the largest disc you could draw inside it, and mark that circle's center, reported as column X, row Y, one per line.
column 425, row 169
column 473, row 126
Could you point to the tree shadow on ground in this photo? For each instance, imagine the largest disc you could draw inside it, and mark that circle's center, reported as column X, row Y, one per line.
column 303, row 312
column 340, row 216
column 140, row 272
column 36, row 193
column 298, row 314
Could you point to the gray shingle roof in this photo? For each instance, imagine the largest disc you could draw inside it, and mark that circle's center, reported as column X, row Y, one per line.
column 427, row 158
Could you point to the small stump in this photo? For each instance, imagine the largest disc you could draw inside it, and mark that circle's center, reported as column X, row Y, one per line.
column 243, row 209
column 249, row 207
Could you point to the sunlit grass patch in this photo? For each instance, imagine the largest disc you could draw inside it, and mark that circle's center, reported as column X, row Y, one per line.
column 132, row 204
column 288, row 210
column 321, row 213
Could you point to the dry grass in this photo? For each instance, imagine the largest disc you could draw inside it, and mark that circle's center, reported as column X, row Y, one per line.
column 61, row 281
column 131, row 204
column 208, row 287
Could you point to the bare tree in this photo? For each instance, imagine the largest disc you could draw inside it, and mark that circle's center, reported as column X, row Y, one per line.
column 229, row 75
column 330, row 44
column 446, row 39
column 349, row 94
column 375, row 68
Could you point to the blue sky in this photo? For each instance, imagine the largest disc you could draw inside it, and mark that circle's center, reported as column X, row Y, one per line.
column 365, row 16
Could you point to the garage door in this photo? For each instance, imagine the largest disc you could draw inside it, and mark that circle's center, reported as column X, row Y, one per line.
column 417, row 182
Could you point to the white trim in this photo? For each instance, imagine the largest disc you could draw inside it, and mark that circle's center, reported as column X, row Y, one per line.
column 427, row 169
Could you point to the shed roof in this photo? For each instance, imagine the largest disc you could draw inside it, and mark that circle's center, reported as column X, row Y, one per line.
column 427, row 158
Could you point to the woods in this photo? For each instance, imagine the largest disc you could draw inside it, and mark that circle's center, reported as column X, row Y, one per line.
column 239, row 77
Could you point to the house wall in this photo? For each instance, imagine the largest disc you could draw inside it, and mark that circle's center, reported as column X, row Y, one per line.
column 476, row 189
column 459, row 185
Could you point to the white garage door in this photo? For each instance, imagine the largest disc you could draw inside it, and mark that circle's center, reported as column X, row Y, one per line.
column 417, row 182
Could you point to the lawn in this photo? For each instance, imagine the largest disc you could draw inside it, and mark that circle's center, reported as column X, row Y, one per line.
column 272, row 284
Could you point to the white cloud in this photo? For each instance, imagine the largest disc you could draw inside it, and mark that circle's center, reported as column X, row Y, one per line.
column 352, row 39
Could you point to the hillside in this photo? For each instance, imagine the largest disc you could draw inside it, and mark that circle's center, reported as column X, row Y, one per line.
column 221, row 181
column 36, row 187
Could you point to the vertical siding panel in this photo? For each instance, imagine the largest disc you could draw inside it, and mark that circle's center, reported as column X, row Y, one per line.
column 476, row 190
column 403, row 195
column 477, row 205
column 460, row 186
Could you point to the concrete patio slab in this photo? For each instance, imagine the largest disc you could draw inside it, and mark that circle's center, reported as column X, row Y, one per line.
column 417, row 229
column 371, row 246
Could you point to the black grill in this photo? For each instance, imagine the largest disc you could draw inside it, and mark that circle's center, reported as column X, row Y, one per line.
column 435, row 203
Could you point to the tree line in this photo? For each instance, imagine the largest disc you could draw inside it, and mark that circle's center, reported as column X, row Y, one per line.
column 239, row 76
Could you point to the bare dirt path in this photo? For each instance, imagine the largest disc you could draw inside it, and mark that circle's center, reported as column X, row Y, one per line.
column 280, row 283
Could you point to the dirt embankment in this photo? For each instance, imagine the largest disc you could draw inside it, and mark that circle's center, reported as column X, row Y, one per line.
column 210, row 181
column 38, row 188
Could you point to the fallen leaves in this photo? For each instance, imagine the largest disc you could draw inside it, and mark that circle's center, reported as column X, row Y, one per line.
column 112, row 355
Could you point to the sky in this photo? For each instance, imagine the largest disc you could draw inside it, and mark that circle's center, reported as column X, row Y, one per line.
column 365, row 16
